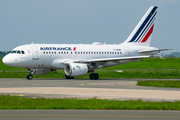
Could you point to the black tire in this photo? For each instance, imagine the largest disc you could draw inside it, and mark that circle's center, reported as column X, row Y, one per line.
column 94, row 76
column 29, row 77
column 68, row 77
column 91, row 76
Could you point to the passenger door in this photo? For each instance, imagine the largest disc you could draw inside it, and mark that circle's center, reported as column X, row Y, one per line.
column 35, row 54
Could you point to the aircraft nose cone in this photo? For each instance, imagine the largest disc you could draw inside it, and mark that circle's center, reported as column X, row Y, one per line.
column 6, row 60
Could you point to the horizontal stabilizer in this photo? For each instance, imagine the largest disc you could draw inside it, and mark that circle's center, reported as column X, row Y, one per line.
column 159, row 50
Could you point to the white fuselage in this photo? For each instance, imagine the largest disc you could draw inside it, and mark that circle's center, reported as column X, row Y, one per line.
column 50, row 56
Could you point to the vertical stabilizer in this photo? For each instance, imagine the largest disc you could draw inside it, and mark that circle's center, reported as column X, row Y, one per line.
column 141, row 35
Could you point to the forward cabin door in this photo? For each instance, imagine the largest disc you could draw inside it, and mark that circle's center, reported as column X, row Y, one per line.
column 35, row 54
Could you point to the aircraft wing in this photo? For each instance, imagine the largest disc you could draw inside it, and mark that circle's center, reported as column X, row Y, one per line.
column 158, row 50
column 115, row 59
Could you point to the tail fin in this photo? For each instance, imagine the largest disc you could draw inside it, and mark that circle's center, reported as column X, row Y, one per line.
column 141, row 35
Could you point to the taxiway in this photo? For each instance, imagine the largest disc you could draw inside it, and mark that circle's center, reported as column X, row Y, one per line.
column 119, row 89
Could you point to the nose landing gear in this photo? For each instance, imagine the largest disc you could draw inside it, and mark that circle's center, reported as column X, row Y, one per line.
column 30, row 77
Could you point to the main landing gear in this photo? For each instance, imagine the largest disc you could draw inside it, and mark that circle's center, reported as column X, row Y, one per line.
column 30, row 77
column 94, row 76
column 68, row 77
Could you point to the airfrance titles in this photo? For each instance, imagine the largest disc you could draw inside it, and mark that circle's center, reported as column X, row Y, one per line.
column 56, row 48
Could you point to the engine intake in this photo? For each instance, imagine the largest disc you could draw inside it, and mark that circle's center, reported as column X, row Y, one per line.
column 75, row 69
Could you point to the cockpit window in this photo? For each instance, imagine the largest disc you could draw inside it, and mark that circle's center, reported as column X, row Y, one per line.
column 22, row 52
column 13, row 52
column 18, row 52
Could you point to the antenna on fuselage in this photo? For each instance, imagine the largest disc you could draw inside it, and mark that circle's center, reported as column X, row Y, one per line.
column 32, row 42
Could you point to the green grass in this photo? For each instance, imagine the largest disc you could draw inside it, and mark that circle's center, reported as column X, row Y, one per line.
column 146, row 68
column 104, row 74
column 15, row 102
column 160, row 83
column 151, row 63
column 147, row 63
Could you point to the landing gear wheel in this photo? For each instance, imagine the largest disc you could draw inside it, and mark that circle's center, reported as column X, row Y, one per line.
column 68, row 77
column 94, row 76
column 29, row 77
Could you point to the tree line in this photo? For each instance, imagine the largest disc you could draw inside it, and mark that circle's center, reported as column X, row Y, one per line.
column 3, row 53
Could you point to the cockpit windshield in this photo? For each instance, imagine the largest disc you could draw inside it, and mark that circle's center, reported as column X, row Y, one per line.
column 18, row 52
column 13, row 52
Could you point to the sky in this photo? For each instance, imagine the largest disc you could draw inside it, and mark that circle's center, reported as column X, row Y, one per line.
column 85, row 21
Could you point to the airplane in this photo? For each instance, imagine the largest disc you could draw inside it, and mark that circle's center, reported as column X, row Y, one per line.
column 80, row 59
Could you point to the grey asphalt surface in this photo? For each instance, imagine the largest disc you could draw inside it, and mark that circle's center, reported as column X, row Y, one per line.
column 117, row 84
column 119, row 89
column 79, row 83
column 88, row 115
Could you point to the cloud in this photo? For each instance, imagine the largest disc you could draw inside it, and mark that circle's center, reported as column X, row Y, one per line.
column 167, row 2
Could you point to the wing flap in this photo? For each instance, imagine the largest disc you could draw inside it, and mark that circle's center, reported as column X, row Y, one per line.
column 115, row 59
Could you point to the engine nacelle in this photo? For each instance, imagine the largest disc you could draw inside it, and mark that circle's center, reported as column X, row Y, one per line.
column 40, row 71
column 75, row 69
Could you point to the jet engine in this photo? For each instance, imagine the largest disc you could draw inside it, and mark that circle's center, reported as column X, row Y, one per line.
column 40, row 71
column 75, row 69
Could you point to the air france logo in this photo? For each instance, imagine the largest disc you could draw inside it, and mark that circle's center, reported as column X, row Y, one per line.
column 57, row 48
